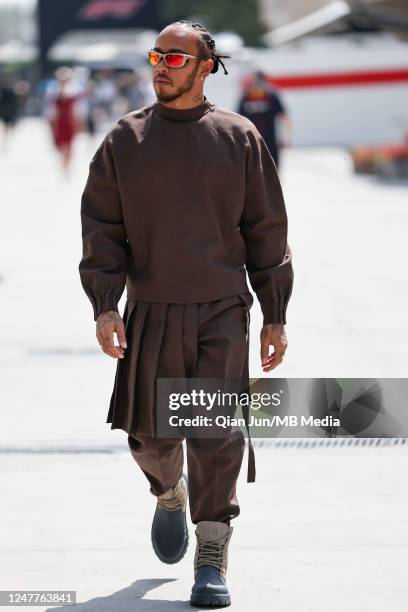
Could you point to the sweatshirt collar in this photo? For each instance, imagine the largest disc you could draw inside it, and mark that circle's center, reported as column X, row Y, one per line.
column 183, row 114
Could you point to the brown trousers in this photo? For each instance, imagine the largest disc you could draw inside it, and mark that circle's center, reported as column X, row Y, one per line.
column 213, row 469
column 200, row 340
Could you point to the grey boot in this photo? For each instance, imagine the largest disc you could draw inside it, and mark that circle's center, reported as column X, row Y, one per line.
column 210, row 564
column 169, row 532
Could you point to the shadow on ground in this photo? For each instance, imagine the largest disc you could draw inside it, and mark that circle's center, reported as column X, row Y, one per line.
column 129, row 599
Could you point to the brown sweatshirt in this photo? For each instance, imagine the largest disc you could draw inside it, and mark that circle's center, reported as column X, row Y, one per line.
column 176, row 204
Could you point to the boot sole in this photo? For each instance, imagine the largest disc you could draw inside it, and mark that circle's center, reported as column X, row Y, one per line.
column 183, row 552
column 210, row 600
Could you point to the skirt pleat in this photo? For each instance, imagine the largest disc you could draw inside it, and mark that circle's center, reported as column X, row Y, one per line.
column 162, row 343
column 141, row 376
column 190, row 336
column 130, row 364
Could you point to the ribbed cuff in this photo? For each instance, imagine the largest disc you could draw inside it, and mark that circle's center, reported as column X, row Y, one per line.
column 103, row 303
column 273, row 313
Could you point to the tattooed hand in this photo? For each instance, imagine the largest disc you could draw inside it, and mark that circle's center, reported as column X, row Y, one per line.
column 273, row 335
column 108, row 323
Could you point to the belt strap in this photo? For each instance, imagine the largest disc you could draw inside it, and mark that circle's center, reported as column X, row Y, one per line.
column 251, row 472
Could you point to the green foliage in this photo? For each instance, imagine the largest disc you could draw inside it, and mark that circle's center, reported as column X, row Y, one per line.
column 240, row 16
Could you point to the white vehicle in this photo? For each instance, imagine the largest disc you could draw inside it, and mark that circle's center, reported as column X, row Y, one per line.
column 349, row 89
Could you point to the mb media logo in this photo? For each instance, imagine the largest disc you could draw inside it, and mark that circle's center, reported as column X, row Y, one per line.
column 117, row 9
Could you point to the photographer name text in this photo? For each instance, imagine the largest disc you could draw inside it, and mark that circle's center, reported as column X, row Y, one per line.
column 274, row 421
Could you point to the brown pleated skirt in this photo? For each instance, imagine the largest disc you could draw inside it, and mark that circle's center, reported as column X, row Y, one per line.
column 164, row 340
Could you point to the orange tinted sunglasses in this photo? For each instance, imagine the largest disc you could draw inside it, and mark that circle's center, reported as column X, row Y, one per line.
column 172, row 60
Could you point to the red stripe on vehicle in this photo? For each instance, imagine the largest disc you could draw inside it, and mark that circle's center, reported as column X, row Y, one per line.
column 338, row 79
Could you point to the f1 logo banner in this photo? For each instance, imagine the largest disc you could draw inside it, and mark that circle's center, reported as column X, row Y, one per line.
column 58, row 17
column 116, row 9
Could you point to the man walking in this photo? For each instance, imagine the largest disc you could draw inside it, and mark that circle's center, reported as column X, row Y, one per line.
column 262, row 104
column 181, row 196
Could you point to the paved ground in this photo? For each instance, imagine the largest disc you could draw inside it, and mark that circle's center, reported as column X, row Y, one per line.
column 323, row 529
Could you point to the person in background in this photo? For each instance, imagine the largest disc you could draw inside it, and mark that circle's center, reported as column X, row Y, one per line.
column 132, row 88
column 8, row 107
column 106, row 92
column 262, row 105
column 91, row 109
column 64, row 118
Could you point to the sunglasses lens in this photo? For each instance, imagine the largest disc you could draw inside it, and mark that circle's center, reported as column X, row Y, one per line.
column 174, row 60
column 153, row 57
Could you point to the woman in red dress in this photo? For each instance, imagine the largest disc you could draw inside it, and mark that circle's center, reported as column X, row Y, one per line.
column 64, row 122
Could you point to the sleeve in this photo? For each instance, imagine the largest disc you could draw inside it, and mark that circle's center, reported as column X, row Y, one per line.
column 104, row 264
column 264, row 228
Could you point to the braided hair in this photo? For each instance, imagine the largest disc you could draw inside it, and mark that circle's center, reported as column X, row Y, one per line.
column 207, row 44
